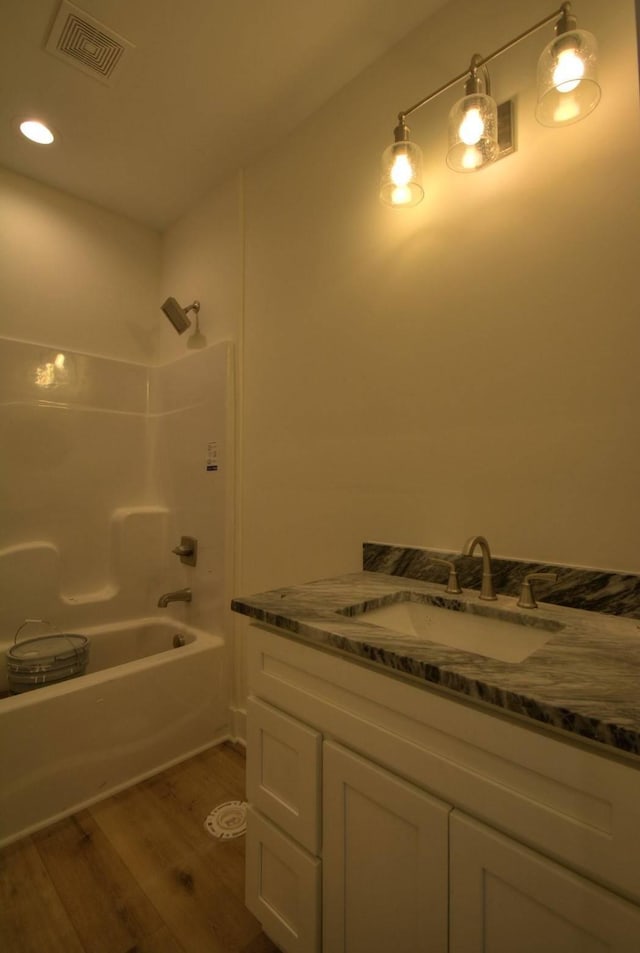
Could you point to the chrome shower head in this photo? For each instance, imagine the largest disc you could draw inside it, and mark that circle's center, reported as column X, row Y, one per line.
column 178, row 315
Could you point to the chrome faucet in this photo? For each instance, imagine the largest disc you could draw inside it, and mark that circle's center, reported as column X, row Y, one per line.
column 487, row 590
column 180, row 595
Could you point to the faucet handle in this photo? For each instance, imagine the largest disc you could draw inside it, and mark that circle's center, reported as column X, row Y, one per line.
column 527, row 599
column 187, row 550
column 453, row 584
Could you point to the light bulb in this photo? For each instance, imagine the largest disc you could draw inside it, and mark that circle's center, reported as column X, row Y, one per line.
column 36, row 131
column 472, row 127
column 401, row 171
column 568, row 72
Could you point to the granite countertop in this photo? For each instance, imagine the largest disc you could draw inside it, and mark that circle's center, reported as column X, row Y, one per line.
column 584, row 681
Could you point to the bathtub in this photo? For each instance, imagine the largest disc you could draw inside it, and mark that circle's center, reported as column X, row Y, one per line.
column 142, row 705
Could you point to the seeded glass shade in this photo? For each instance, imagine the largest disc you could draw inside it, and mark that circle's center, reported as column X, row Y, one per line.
column 400, row 184
column 473, row 133
column 568, row 88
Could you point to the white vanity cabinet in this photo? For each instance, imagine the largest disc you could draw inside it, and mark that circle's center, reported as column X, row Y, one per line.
column 386, row 817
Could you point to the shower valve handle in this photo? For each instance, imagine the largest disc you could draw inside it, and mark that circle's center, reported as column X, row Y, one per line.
column 187, row 550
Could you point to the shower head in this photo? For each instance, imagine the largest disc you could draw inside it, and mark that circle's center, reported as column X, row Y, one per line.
column 178, row 315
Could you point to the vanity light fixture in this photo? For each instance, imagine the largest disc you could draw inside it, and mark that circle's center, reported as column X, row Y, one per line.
column 36, row 131
column 480, row 131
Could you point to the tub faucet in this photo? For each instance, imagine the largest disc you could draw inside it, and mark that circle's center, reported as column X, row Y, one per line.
column 180, row 595
column 487, row 590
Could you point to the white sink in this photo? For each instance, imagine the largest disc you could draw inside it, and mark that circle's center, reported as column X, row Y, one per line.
column 492, row 632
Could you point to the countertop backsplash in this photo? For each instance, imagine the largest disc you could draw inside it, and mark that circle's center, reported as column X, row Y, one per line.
column 588, row 589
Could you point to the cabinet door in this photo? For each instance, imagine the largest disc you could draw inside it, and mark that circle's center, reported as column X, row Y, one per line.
column 505, row 897
column 283, row 772
column 384, row 861
column 282, row 887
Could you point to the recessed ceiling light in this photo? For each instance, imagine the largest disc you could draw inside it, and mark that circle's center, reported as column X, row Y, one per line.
column 36, row 131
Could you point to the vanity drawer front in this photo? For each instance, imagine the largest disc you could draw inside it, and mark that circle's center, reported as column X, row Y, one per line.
column 284, row 772
column 283, row 884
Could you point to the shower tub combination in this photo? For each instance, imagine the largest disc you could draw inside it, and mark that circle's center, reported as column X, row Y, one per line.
column 143, row 705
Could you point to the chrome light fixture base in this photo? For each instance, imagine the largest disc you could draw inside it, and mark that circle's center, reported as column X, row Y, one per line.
column 506, row 128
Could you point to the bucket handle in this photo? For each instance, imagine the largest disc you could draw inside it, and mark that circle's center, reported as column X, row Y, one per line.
column 29, row 622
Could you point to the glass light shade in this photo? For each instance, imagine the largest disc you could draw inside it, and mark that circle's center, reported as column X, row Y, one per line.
column 400, row 184
column 473, row 133
column 568, row 88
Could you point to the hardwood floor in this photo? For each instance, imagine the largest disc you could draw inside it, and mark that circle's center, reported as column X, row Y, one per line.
column 136, row 873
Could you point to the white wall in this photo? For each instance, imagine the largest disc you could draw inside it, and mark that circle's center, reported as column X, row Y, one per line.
column 467, row 366
column 74, row 275
column 202, row 260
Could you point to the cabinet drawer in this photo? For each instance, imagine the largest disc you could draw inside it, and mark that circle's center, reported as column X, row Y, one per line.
column 284, row 772
column 282, row 887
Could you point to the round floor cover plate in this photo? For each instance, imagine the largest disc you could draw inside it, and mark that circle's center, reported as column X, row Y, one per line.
column 227, row 820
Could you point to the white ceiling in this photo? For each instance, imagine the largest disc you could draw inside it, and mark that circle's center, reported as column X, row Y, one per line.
column 210, row 85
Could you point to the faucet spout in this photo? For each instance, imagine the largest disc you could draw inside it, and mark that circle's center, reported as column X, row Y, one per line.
column 180, row 595
column 487, row 589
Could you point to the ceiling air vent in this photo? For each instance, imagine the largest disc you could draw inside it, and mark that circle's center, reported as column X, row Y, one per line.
column 87, row 44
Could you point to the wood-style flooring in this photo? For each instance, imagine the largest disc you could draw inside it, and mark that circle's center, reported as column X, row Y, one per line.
column 136, row 873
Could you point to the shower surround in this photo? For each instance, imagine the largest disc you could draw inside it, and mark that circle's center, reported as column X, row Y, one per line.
column 105, row 465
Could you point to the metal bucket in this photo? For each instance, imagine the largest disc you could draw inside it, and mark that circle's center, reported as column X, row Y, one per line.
column 45, row 660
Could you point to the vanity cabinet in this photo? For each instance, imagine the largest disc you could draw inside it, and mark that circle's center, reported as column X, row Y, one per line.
column 384, row 816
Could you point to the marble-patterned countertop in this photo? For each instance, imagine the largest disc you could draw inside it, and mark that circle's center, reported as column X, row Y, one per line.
column 584, row 681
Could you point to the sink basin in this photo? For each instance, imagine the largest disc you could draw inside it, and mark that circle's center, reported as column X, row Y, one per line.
column 486, row 630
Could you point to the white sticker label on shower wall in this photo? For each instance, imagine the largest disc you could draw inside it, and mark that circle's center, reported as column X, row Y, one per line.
column 213, row 462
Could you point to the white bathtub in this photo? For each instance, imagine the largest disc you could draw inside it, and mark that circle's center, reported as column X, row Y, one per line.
column 142, row 706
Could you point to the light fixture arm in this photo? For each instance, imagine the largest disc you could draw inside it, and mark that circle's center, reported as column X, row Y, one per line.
column 565, row 23
column 194, row 306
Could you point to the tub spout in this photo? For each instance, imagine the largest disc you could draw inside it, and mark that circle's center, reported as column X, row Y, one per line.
column 180, row 595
